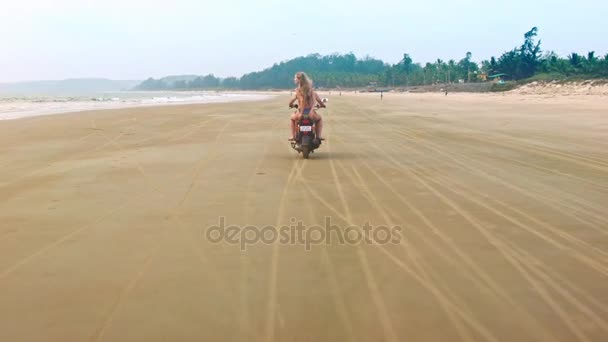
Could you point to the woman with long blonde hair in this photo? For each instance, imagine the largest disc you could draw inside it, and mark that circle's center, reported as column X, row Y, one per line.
column 307, row 100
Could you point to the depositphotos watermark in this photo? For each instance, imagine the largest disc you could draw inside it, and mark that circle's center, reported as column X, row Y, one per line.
column 297, row 233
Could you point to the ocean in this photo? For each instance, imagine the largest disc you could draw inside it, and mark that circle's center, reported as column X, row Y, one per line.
column 15, row 107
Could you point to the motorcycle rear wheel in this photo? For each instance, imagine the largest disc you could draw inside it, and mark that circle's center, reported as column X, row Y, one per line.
column 305, row 151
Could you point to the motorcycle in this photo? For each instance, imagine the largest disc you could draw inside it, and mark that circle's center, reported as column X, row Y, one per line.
column 306, row 141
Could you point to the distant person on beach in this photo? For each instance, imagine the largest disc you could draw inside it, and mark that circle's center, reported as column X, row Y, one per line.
column 307, row 100
column 381, row 96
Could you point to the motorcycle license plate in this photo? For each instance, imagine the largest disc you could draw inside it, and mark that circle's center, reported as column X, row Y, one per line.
column 305, row 128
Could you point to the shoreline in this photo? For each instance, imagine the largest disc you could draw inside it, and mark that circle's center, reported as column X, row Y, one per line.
column 46, row 108
column 260, row 96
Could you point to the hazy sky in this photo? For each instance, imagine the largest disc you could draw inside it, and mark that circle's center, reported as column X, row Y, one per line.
column 133, row 39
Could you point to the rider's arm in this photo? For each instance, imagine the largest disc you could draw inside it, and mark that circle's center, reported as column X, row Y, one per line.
column 295, row 98
column 319, row 101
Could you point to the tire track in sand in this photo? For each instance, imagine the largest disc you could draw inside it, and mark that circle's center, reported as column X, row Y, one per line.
column 552, row 229
column 548, row 227
column 508, row 254
column 336, row 291
column 507, row 141
column 421, row 273
column 424, row 140
column 271, row 310
column 384, row 317
column 479, row 277
column 132, row 283
column 466, row 162
column 529, row 262
column 245, row 318
column 486, row 280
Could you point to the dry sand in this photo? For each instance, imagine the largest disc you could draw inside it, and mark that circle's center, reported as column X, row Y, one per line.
column 589, row 87
column 502, row 200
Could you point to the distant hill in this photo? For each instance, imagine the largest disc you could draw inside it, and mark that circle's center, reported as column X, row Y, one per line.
column 170, row 80
column 71, row 87
column 334, row 70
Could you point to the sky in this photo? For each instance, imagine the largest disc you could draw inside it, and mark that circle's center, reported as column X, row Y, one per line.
column 137, row 39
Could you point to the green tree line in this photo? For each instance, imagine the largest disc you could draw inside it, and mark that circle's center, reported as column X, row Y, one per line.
column 348, row 71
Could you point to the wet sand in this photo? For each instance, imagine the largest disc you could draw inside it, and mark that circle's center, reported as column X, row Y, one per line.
column 501, row 201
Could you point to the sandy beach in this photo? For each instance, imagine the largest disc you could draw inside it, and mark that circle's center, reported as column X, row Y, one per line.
column 501, row 201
